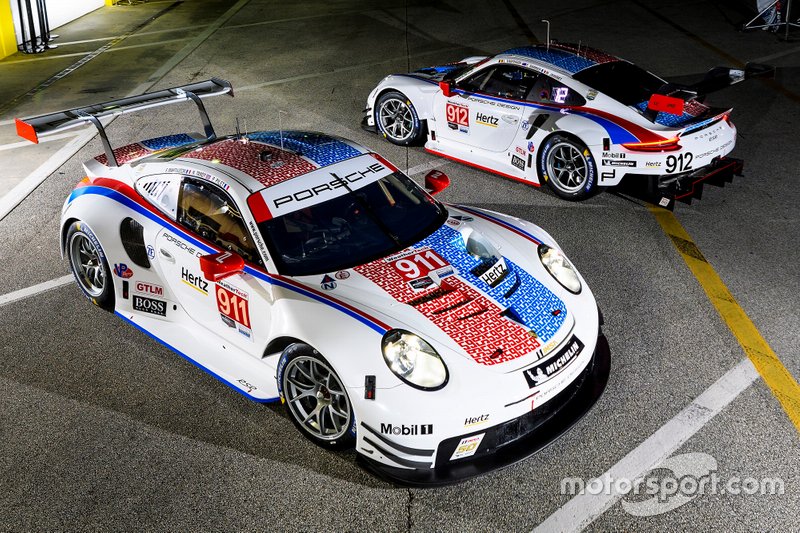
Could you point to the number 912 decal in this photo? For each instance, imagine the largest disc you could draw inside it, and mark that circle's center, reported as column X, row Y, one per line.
column 679, row 163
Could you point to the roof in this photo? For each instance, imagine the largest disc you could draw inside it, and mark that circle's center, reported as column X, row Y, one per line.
column 263, row 158
column 270, row 157
column 565, row 56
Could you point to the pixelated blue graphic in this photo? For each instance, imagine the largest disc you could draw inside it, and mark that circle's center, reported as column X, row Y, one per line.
column 169, row 141
column 562, row 59
column 441, row 69
column 533, row 303
column 668, row 119
column 319, row 148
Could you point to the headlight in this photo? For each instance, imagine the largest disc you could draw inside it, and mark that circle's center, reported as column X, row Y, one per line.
column 560, row 268
column 413, row 360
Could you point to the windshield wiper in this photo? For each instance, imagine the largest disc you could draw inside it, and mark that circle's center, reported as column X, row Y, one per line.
column 368, row 208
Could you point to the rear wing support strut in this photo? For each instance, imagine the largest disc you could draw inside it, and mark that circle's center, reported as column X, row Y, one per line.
column 31, row 128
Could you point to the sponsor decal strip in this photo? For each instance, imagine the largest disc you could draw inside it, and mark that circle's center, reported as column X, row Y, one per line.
column 125, row 195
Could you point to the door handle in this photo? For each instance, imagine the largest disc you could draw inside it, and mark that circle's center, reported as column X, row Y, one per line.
column 166, row 255
column 511, row 119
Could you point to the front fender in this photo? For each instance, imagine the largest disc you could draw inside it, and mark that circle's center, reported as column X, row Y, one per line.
column 419, row 91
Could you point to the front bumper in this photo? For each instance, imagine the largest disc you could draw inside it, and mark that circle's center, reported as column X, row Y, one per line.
column 365, row 122
column 512, row 441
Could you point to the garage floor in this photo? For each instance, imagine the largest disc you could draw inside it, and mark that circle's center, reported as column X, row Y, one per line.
column 103, row 428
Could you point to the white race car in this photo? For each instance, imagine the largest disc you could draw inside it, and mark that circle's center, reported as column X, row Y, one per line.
column 574, row 117
column 440, row 341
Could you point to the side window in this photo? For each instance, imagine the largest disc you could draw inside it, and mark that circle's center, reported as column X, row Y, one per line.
column 161, row 191
column 475, row 82
column 546, row 90
column 209, row 212
column 509, row 81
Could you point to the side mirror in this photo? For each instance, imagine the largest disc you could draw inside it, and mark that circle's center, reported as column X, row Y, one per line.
column 221, row 265
column 447, row 88
column 436, row 181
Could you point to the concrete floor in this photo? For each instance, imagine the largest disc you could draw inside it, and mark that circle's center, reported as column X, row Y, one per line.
column 102, row 428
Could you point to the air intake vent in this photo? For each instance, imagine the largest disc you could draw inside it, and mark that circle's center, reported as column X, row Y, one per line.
column 132, row 235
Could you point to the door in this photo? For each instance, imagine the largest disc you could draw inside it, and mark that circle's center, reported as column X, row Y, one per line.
column 238, row 307
column 483, row 112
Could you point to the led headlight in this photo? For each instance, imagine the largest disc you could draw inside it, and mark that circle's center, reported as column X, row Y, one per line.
column 413, row 360
column 560, row 268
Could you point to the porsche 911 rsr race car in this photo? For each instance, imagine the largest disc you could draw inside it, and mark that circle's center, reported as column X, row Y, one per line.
column 440, row 341
column 576, row 118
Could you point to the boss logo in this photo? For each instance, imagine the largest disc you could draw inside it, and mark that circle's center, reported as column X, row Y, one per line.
column 150, row 305
column 414, row 429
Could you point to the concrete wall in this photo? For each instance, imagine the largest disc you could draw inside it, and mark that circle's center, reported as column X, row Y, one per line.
column 59, row 12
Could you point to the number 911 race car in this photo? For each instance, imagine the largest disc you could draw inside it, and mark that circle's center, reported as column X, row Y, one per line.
column 576, row 118
column 439, row 341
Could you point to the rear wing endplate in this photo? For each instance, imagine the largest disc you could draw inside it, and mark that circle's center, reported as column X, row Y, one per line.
column 31, row 128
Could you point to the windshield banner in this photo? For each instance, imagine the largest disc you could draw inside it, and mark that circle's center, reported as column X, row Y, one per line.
column 316, row 187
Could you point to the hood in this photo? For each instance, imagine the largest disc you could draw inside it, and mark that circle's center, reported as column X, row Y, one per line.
column 457, row 288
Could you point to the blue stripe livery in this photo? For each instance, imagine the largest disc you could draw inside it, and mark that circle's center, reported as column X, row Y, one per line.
column 322, row 149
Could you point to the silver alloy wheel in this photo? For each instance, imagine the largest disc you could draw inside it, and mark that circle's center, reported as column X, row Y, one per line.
column 567, row 167
column 316, row 398
column 87, row 264
column 396, row 119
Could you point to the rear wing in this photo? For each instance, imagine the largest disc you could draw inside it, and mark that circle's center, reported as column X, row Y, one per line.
column 31, row 128
column 672, row 97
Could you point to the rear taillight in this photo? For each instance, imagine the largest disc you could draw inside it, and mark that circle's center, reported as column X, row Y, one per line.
column 727, row 118
column 667, row 145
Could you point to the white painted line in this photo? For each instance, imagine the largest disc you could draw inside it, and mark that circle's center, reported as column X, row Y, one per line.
column 355, row 67
column 584, row 508
column 24, row 144
column 27, row 292
column 22, row 189
column 770, row 57
column 189, row 48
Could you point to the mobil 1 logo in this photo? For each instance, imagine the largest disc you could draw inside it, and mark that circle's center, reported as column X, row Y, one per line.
column 149, row 305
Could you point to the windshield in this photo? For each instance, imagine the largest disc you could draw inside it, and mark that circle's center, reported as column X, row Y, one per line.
column 364, row 224
column 622, row 81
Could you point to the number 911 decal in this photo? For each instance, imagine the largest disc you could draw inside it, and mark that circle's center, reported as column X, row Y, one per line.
column 419, row 267
column 233, row 307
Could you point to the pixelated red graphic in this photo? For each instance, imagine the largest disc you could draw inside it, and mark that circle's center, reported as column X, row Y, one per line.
column 592, row 54
column 472, row 320
column 267, row 164
column 125, row 154
column 694, row 108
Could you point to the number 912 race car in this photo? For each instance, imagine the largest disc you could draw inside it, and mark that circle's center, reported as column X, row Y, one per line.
column 439, row 341
column 576, row 118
